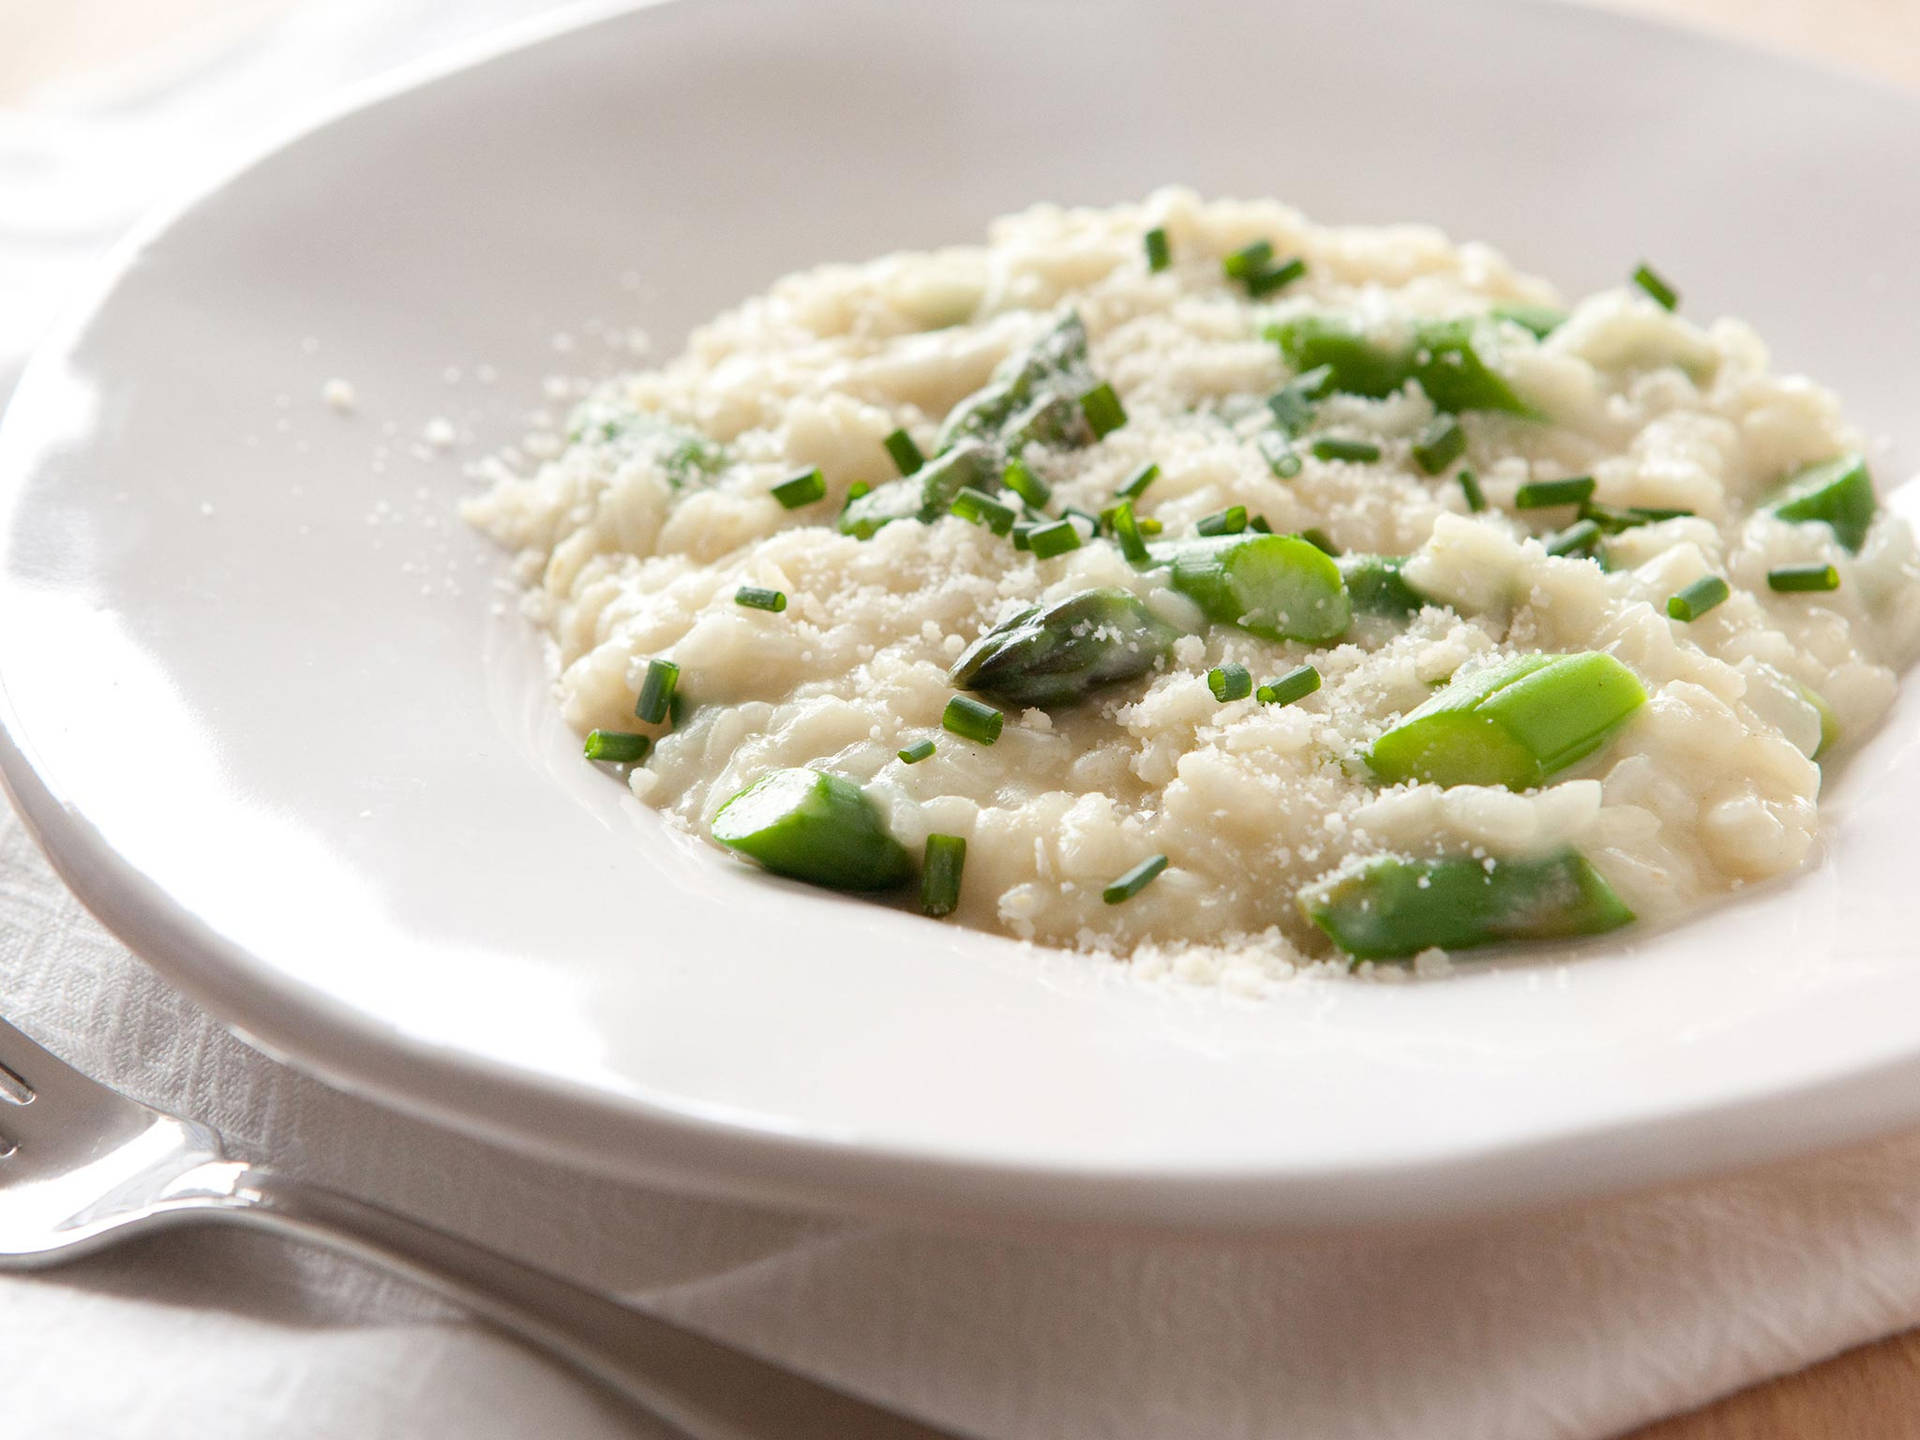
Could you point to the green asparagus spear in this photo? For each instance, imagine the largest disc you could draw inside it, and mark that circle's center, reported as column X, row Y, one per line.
column 812, row 826
column 1059, row 653
column 1838, row 492
column 1513, row 723
column 1023, row 391
column 1279, row 587
column 1376, row 586
column 1388, row 907
column 926, row 494
column 1441, row 356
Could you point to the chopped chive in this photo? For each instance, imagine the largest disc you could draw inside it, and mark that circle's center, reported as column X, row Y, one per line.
column 1578, row 538
column 1282, row 459
column 906, row 455
column 1021, row 530
column 1230, row 521
column 1260, row 525
column 1103, row 410
column 977, row 507
column 1296, row 684
column 914, row 754
column 970, row 719
column 1126, row 530
column 1652, row 513
column 1439, row 445
column 1074, row 512
column 1542, row 320
column 755, row 598
column 1150, row 525
column 1276, row 277
column 802, row 489
column 617, row 747
column 1159, row 251
column 1047, row 541
column 1664, row 295
column 1698, row 598
column 1540, row 494
column 946, row 857
column 656, row 691
column 1320, row 541
column 1248, row 260
column 1230, row 682
column 1020, row 479
column 1294, row 403
column 1135, row 485
column 1803, row 577
column 1333, row 447
column 1470, row 487
column 1134, row 881
column 857, row 489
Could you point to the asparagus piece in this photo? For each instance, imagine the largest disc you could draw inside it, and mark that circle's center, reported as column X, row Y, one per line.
column 925, row 495
column 812, row 826
column 1838, row 492
column 1056, row 654
column 1279, row 587
column 1441, row 356
column 1513, row 723
column 1388, row 907
column 1376, row 587
column 1024, row 392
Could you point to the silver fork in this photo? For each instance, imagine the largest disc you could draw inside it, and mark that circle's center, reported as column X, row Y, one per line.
column 83, row 1166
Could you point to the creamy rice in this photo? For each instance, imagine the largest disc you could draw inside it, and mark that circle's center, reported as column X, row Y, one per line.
column 637, row 535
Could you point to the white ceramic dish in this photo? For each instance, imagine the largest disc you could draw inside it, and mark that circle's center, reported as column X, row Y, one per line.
column 279, row 737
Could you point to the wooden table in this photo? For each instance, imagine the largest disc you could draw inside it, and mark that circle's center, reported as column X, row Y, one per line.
column 1872, row 1393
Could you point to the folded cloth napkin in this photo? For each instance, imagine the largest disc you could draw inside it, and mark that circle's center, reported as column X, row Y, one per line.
column 1573, row 1324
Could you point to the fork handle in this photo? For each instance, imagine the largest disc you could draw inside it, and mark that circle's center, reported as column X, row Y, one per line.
column 708, row 1390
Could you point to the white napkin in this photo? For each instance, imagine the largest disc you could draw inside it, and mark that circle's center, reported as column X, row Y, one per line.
column 1575, row 1324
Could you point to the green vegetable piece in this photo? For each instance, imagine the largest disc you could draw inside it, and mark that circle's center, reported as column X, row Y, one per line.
column 1230, row 682
column 1664, row 295
column 1836, row 492
column 1295, row 403
column 1135, row 880
column 1470, row 487
column 1047, row 541
column 1135, row 485
column 1799, row 578
column 1275, row 277
column 1542, row 320
column 915, row 753
column 617, row 747
column 1313, row 534
column 1279, row 587
column 1580, row 538
column 656, row 691
column 1020, row 479
column 1389, row 907
column 925, row 495
column 1054, row 365
column 805, row 488
column 976, row 507
column 812, row 826
column 1280, row 455
column 755, row 597
column 1060, row 653
column 1296, row 684
column 1248, row 260
column 1159, row 250
column 1829, row 722
column 1698, row 598
column 1544, row 494
column 1128, row 534
column 1376, row 586
column 1454, row 376
column 1104, row 412
column 1230, row 521
column 1336, row 447
column 906, row 455
column 1439, row 445
column 1513, row 723
column 946, row 858
column 970, row 720
column 1441, row 357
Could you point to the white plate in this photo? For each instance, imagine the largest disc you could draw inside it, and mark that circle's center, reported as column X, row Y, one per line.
column 265, row 716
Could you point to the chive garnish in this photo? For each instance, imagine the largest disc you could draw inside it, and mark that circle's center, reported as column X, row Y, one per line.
column 857, row 489
column 1578, row 538
column 1230, row 521
column 977, row 507
column 1230, row 682
column 1126, row 530
column 1103, row 410
column 1159, row 251
column 1282, row 459
column 1020, row 479
column 946, row 857
column 914, row 754
column 755, row 598
column 1047, row 541
column 1664, row 295
column 1698, row 598
column 1470, row 487
column 970, row 719
column 1276, row 277
column 1294, row 403
column 1541, row 494
column 1134, row 881
column 1248, row 260
column 1320, row 541
column 1296, row 684
column 1333, row 447
column 1150, row 525
column 802, row 489
column 1260, row 525
column 656, row 691
column 617, row 747
column 1803, row 577
column 906, row 455
column 1439, row 445
column 1135, row 485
